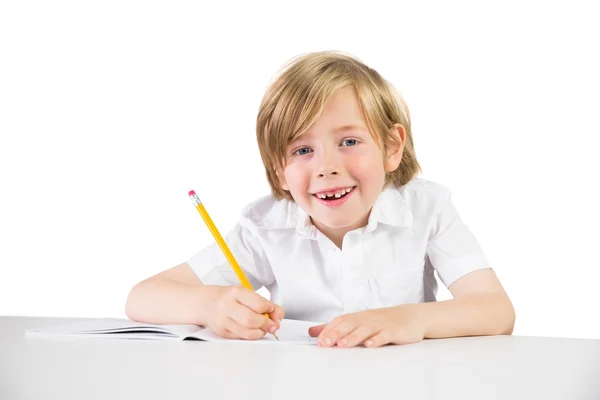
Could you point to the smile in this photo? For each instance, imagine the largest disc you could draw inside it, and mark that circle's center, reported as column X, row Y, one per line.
column 335, row 194
column 335, row 197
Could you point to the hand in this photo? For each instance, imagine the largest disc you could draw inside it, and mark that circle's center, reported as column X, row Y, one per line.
column 398, row 325
column 239, row 314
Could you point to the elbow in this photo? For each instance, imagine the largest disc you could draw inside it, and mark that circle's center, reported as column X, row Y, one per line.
column 509, row 317
column 131, row 310
column 501, row 314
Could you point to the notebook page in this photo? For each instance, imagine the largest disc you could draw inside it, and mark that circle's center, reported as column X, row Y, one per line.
column 116, row 327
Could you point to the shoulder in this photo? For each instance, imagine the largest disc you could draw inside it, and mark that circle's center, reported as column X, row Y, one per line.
column 269, row 213
column 424, row 195
column 424, row 188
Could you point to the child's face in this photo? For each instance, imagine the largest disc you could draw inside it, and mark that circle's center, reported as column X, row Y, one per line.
column 337, row 158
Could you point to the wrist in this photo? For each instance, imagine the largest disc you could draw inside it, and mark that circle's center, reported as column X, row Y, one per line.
column 425, row 316
column 205, row 298
column 418, row 315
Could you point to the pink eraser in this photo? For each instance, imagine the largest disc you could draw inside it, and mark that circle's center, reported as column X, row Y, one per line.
column 191, row 193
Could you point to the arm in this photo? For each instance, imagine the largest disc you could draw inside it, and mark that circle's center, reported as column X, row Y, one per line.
column 174, row 296
column 480, row 307
column 177, row 296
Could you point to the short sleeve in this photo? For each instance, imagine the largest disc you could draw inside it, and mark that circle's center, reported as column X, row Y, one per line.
column 452, row 249
column 212, row 268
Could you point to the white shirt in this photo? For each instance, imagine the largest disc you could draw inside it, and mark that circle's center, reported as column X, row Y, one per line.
column 412, row 231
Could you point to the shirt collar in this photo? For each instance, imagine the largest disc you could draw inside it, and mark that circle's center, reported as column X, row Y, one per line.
column 390, row 208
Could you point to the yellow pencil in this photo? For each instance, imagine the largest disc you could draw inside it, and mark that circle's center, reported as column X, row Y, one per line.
column 224, row 248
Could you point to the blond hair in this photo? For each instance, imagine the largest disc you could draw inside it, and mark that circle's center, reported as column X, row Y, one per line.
column 295, row 99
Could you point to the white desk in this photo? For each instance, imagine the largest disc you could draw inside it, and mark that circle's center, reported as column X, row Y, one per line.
column 501, row 367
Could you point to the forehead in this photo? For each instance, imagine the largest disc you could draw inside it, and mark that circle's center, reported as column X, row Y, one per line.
column 342, row 106
column 341, row 113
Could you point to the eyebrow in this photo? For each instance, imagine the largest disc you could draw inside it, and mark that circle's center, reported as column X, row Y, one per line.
column 344, row 128
column 350, row 128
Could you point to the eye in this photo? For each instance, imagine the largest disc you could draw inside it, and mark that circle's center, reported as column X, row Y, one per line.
column 303, row 151
column 349, row 142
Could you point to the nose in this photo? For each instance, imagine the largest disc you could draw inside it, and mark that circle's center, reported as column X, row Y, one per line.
column 328, row 165
column 327, row 171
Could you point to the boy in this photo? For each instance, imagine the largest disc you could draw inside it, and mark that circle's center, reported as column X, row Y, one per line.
column 349, row 234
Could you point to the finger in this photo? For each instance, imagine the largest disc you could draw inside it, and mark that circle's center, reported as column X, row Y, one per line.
column 227, row 334
column 315, row 331
column 357, row 336
column 326, row 332
column 244, row 333
column 277, row 315
column 337, row 329
column 380, row 339
column 249, row 319
column 253, row 301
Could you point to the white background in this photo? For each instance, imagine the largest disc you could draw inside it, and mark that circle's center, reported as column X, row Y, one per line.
column 110, row 112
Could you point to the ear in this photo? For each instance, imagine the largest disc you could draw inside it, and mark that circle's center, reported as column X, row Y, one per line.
column 395, row 148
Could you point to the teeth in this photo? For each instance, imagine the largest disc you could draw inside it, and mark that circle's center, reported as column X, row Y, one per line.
column 337, row 195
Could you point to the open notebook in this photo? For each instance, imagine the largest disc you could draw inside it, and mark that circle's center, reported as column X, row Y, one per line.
column 291, row 332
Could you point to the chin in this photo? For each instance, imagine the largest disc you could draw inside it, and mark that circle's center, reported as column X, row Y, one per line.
column 337, row 224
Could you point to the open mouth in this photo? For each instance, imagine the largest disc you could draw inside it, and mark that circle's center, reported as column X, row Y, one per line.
column 332, row 196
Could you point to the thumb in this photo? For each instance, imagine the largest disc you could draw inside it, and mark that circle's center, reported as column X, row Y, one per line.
column 315, row 331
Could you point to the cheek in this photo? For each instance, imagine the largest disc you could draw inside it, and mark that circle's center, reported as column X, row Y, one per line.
column 294, row 178
column 368, row 166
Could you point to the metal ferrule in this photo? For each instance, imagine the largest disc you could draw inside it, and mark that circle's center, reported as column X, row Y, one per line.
column 195, row 199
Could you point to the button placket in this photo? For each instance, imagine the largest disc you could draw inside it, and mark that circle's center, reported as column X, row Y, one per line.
column 356, row 290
